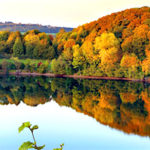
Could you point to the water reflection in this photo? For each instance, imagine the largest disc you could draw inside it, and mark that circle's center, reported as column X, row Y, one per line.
column 121, row 105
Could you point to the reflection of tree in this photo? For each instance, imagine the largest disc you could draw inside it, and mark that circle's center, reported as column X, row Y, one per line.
column 121, row 105
column 118, row 104
column 32, row 91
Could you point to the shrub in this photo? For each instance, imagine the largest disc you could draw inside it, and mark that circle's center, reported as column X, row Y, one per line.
column 19, row 65
column 58, row 66
column 42, row 68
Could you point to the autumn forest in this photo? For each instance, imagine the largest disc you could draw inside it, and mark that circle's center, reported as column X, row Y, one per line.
column 117, row 45
column 81, row 85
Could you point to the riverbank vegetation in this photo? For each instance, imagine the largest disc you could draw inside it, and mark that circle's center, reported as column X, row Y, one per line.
column 117, row 45
column 15, row 65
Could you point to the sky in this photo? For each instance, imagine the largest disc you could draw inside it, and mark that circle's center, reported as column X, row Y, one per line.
column 69, row 13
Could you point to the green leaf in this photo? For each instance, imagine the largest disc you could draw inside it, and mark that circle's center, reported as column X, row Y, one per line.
column 26, row 146
column 27, row 124
column 34, row 127
column 40, row 147
column 24, row 125
column 61, row 147
column 21, row 128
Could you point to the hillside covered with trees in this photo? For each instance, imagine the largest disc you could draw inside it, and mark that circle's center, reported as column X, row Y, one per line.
column 10, row 26
column 114, row 45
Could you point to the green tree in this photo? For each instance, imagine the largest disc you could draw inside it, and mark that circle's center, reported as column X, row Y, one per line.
column 43, row 52
column 78, row 58
column 59, row 66
column 31, row 40
column 18, row 48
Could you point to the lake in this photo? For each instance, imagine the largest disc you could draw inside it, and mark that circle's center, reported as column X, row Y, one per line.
column 82, row 114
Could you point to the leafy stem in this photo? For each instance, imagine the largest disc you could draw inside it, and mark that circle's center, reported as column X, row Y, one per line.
column 28, row 145
column 33, row 137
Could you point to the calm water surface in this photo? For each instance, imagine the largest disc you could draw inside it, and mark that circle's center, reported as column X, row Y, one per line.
column 82, row 114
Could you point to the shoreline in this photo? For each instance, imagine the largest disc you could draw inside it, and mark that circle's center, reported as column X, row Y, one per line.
column 147, row 80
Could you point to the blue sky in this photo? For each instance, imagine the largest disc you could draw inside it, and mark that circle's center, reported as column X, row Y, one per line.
column 70, row 13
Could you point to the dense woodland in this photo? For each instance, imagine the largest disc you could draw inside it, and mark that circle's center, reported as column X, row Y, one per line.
column 114, row 45
column 117, row 45
column 32, row 44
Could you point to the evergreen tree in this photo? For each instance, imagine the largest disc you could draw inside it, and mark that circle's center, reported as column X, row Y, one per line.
column 18, row 47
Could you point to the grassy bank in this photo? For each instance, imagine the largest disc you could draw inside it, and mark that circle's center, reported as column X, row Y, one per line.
column 24, row 65
column 34, row 67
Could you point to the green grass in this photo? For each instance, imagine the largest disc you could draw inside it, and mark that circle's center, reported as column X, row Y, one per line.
column 25, row 61
column 8, row 60
column 26, row 65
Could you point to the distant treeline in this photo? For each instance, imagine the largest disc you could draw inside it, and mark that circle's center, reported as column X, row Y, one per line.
column 10, row 26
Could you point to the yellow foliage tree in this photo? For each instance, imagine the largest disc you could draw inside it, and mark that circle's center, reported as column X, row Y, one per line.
column 107, row 46
column 128, row 97
column 78, row 58
column 69, row 43
column 146, row 66
column 129, row 61
column 146, row 61
column 87, row 49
